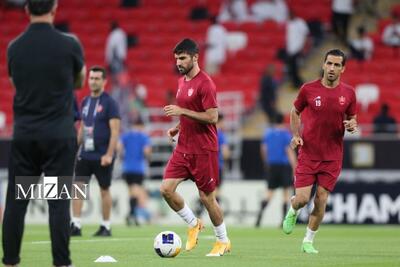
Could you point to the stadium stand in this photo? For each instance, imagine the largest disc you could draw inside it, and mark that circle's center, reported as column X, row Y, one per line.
column 160, row 24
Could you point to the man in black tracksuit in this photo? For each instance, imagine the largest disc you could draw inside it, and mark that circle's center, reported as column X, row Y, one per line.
column 45, row 66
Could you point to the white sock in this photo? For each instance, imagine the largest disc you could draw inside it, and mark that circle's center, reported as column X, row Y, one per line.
column 309, row 235
column 187, row 215
column 293, row 211
column 106, row 224
column 220, row 233
column 77, row 222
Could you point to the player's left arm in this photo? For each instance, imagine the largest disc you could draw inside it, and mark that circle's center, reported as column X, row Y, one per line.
column 107, row 158
column 210, row 116
column 350, row 123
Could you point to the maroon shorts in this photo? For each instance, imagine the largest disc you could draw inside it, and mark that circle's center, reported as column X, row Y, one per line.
column 201, row 168
column 324, row 173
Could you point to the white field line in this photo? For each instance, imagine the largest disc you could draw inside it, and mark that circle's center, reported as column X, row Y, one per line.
column 98, row 240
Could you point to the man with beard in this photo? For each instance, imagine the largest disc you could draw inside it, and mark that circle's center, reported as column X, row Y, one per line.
column 196, row 154
column 98, row 137
column 328, row 108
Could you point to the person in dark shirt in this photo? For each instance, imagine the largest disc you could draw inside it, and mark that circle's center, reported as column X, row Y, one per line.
column 44, row 66
column 383, row 122
column 98, row 138
column 268, row 92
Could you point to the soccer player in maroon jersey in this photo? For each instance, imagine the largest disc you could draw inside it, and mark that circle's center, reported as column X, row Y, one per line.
column 328, row 108
column 196, row 154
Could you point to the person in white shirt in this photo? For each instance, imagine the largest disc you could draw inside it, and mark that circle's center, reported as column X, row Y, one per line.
column 296, row 37
column 362, row 47
column 216, row 40
column 270, row 10
column 116, row 49
column 391, row 33
column 233, row 10
column 341, row 15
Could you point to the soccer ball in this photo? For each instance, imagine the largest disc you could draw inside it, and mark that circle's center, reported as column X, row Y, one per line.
column 167, row 244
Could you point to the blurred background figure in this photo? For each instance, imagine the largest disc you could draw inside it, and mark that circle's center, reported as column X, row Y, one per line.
column 224, row 154
column 383, row 122
column 341, row 16
column 268, row 91
column 216, row 44
column 233, row 10
column 279, row 161
column 15, row 3
column 275, row 10
column 116, row 51
column 296, row 37
column 135, row 150
column 391, row 33
column 362, row 47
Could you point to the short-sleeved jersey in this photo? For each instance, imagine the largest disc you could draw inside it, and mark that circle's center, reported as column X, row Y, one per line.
column 277, row 140
column 322, row 113
column 198, row 94
column 134, row 143
column 43, row 64
column 97, row 112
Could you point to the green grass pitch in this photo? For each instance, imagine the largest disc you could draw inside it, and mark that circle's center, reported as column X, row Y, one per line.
column 352, row 246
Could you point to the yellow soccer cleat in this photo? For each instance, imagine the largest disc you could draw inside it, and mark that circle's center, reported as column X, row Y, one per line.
column 193, row 233
column 220, row 249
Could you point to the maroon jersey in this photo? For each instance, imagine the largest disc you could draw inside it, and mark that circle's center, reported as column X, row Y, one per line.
column 198, row 94
column 323, row 111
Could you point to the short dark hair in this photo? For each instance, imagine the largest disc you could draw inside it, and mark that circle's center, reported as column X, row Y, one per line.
column 40, row 7
column 99, row 69
column 361, row 30
column 114, row 25
column 337, row 53
column 187, row 46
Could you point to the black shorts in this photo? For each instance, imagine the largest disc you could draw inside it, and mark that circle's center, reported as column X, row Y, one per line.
column 279, row 176
column 133, row 178
column 85, row 168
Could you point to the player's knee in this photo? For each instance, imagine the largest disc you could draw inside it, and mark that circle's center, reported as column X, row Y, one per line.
column 302, row 201
column 166, row 191
column 105, row 191
column 205, row 199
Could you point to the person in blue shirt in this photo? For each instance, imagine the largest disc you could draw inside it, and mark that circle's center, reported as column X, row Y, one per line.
column 135, row 150
column 280, row 161
column 97, row 137
column 224, row 154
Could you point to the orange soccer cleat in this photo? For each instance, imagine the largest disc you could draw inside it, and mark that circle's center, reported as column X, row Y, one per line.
column 220, row 249
column 193, row 233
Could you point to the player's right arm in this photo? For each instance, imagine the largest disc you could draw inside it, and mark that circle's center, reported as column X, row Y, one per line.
column 295, row 123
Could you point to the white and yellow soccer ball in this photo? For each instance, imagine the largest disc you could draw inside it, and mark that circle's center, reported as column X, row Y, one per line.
column 167, row 244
